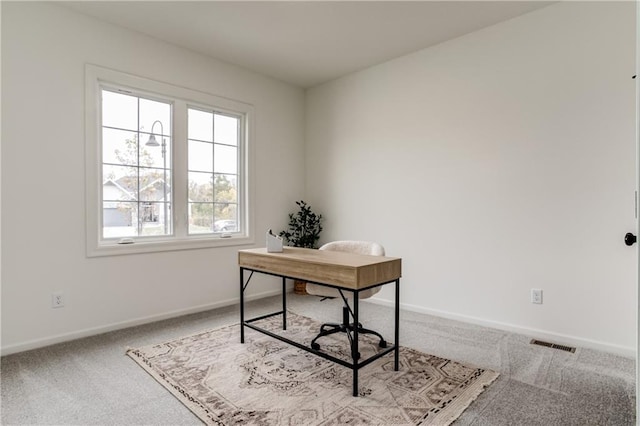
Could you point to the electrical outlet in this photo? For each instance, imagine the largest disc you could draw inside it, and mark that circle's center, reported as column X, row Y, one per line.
column 536, row 295
column 57, row 300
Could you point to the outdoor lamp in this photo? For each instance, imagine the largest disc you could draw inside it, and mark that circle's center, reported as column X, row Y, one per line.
column 152, row 138
column 153, row 142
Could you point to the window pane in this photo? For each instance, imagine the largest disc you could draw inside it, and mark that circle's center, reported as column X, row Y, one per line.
column 200, row 218
column 152, row 219
column 225, row 225
column 119, row 147
column 155, row 185
column 200, row 156
column 225, row 159
column 225, row 189
column 118, row 220
column 119, row 183
column 226, row 217
column 136, row 189
column 200, row 125
column 200, row 186
column 152, row 111
column 154, row 156
column 219, row 157
column 226, row 129
column 119, row 110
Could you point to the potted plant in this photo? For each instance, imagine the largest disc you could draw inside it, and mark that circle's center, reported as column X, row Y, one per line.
column 304, row 231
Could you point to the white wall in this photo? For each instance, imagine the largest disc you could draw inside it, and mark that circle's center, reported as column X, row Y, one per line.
column 44, row 51
column 495, row 163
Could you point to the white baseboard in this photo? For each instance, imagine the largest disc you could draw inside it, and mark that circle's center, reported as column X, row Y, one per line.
column 65, row 337
column 564, row 339
column 629, row 352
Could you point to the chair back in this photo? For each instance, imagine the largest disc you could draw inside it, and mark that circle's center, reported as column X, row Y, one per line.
column 358, row 247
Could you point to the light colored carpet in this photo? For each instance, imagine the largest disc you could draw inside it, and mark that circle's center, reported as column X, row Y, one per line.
column 268, row 382
column 92, row 382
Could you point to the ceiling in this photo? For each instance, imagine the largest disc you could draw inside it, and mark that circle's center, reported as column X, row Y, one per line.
column 304, row 43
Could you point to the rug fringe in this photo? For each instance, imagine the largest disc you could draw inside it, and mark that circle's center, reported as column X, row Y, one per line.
column 194, row 405
column 474, row 391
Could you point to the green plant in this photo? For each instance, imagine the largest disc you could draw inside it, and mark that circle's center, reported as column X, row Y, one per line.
column 304, row 227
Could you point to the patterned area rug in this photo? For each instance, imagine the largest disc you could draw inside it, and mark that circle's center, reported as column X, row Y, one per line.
column 268, row 382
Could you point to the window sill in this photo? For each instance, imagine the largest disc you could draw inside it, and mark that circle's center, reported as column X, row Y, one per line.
column 153, row 246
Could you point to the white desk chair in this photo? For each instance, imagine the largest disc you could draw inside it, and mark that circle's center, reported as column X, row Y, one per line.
column 359, row 247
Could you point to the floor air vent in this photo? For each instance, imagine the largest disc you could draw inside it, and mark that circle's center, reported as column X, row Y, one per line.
column 553, row 345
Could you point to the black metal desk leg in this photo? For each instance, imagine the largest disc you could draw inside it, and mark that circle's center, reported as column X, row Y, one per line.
column 396, row 351
column 241, row 305
column 284, row 303
column 354, row 348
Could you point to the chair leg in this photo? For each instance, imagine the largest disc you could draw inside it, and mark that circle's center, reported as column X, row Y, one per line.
column 346, row 327
column 335, row 328
column 329, row 325
column 382, row 343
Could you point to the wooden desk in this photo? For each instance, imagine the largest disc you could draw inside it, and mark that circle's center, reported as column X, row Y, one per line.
column 343, row 271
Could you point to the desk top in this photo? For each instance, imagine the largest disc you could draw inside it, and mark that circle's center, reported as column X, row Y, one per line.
column 345, row 270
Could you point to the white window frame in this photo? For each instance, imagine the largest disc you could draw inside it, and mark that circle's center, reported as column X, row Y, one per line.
column 96, row 78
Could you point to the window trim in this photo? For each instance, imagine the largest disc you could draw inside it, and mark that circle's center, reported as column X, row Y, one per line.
column 95, row 78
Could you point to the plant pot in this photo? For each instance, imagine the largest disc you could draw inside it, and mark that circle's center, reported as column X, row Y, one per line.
column 299, row 287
